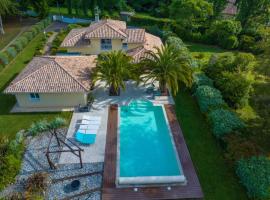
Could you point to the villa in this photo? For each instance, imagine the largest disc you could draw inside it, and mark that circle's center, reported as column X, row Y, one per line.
column 135, row 137
column 61, row 83
column 107, row 35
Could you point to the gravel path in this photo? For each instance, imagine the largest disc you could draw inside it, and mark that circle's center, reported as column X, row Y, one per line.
column 90, row 176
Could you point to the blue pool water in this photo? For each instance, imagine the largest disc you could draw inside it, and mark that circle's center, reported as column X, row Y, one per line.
column 146, row 148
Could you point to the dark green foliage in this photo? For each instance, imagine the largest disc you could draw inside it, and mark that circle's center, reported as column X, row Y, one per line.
column 224, row 122
column 209, row 98
column 235, row 88
column 17, row 45
column 253, row 12
column 155, row 30
column 145, row 20
column 201, row 79
column 28, row 35
column 255, row 176
column 225, row 33
column 191, row 16
column 10, row 158
column 23, row 40
column 176, row 42
column 232, row 76
column 247, row 42
column 218, row 6
column 11, row 51
column 4, row 60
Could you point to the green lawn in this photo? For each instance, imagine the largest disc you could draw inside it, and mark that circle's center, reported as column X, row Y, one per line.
column 217, row 178
column 11, row 123
column 64, row 11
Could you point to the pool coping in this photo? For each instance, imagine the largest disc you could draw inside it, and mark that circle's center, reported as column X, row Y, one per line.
column 147, row 181
column 192, row 190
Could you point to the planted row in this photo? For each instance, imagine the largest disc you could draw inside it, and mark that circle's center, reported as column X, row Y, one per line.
column 211, row 103
column 18, row 45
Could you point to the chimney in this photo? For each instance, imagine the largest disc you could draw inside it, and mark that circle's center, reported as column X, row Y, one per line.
column 97, row 12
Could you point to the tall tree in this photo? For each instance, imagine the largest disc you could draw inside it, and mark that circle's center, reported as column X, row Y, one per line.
column 253, row 11
column 191, row 14
column 167, row 66
column 5, row 7
column 69, row 6
column 218, row 6
column 113, row 68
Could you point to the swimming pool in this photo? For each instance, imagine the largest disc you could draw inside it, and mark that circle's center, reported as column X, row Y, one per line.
column 146, row 150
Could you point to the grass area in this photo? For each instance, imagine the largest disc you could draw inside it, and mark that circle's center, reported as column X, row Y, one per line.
column 64, row 11
column 217, row 179
column 12, row 123
column 202, row 48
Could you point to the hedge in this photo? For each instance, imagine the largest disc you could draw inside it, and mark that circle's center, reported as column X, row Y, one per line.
column 4, row 60
column 11, row 51
column 22, row 41
column 209, row 98
column 17, row 45
column 28, row 35
column 201, row 79
column 255, row 176
column 145, row 20
column 224, row 122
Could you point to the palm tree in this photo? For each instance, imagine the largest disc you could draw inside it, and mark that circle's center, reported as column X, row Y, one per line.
column 114, row 68
column 5, row 6
column 168, row 66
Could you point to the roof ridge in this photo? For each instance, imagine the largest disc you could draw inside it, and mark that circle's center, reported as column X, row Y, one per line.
column 119, row 30
column 75, row 35
column 71, row 76
column 12, row 84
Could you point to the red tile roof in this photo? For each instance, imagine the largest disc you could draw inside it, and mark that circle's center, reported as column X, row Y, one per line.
column 54, row 74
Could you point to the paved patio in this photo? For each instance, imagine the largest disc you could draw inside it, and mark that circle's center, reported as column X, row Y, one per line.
column 96, row 152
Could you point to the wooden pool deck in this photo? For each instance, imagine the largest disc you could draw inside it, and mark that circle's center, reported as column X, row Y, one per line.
column 192, row 190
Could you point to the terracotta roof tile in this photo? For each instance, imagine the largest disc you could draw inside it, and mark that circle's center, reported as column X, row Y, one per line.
column 135, row 36
column 54, row 74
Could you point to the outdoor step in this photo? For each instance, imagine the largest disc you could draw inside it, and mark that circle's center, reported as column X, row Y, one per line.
column 88, row 185
column 70, row 170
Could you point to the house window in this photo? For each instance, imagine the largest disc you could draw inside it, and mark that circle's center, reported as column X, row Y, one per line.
column 124, row 46
column 106, row 44
column 34, row 97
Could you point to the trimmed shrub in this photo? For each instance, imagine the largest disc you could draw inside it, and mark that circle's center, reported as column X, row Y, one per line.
column 17, row 45
column 255, row 176
column 34, row 31
column 4, row 58
column 201, row 79
column 176, row 42
column 23, row 40
column 11, row 51
column 224, row 122
column 28, row 35
column 235, row 88
column 209, row 98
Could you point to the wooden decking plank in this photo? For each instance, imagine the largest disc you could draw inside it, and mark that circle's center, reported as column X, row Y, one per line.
column 109, row 190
